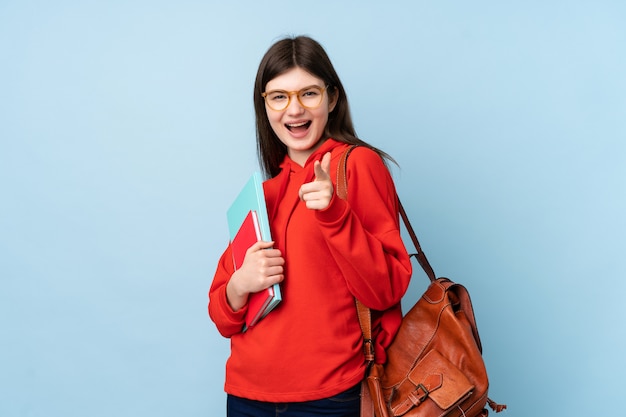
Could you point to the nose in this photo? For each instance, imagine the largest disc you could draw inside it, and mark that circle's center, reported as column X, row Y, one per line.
column 294, row 106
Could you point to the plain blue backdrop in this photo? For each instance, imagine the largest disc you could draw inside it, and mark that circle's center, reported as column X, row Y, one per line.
column 126, row 128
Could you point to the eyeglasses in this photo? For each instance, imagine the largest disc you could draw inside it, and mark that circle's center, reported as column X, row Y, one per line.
column 309, row 97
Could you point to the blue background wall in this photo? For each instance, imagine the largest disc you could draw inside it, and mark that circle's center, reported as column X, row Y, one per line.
column 127, row 126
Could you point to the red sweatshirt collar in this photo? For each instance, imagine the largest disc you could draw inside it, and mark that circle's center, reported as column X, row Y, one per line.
column 328, row 145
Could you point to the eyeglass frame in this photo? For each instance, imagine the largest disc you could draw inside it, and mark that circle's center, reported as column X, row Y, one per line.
column 297, row 93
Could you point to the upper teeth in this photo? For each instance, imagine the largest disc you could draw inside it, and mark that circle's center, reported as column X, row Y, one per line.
column 297, row 124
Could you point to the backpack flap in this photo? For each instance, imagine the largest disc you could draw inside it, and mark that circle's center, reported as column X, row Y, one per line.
column 433, row 378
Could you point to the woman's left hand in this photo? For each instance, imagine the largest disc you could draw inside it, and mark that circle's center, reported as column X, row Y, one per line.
column 318, row 193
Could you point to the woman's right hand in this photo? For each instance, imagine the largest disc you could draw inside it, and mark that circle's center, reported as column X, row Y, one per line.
column 262, row 267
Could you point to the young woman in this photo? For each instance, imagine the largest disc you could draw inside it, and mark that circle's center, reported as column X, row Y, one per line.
column 305, row 358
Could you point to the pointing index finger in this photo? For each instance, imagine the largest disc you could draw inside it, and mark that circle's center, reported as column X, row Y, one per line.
column 322, row 168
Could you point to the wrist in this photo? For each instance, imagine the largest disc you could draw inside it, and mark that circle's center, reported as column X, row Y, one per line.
column 237, row 298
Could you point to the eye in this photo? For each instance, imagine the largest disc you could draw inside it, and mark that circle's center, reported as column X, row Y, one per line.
column 310, row 92
column 277, row 95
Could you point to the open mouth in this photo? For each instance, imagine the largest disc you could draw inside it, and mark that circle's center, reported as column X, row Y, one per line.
column 298, row 127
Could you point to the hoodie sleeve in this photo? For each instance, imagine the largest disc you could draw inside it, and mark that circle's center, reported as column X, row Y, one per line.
column 363, row 233
column 227, row 321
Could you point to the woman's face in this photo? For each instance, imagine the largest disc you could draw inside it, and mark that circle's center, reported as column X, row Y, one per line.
column 300, row 128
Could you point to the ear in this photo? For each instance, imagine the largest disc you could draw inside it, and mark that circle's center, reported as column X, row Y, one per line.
column 333, row 99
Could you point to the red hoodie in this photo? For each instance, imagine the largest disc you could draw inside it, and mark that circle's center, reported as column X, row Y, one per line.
column 310, row 346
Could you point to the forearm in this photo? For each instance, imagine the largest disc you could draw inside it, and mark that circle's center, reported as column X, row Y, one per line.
column 375, row 265
column 227, row 319
column 363, row 233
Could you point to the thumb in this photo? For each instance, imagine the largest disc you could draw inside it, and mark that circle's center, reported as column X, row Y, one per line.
column 322, row 169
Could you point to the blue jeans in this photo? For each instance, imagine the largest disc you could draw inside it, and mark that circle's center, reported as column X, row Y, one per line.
column 345, row 404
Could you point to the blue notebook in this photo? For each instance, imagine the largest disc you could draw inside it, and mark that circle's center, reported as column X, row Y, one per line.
column 251, row 199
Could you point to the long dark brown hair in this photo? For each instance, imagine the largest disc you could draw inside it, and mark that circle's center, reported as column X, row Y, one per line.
column 306, row 53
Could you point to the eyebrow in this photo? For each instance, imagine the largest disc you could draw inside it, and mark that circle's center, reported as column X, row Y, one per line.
column 294, row 91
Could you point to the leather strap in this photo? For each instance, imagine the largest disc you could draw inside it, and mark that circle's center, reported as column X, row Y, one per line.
column 364, row 313
column 342, row 179
column 342, row 192
column 419, row 255
column 365, row 320
column 367, row 405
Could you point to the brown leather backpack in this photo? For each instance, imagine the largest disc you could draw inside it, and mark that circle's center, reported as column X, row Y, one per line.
column 434, row 365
